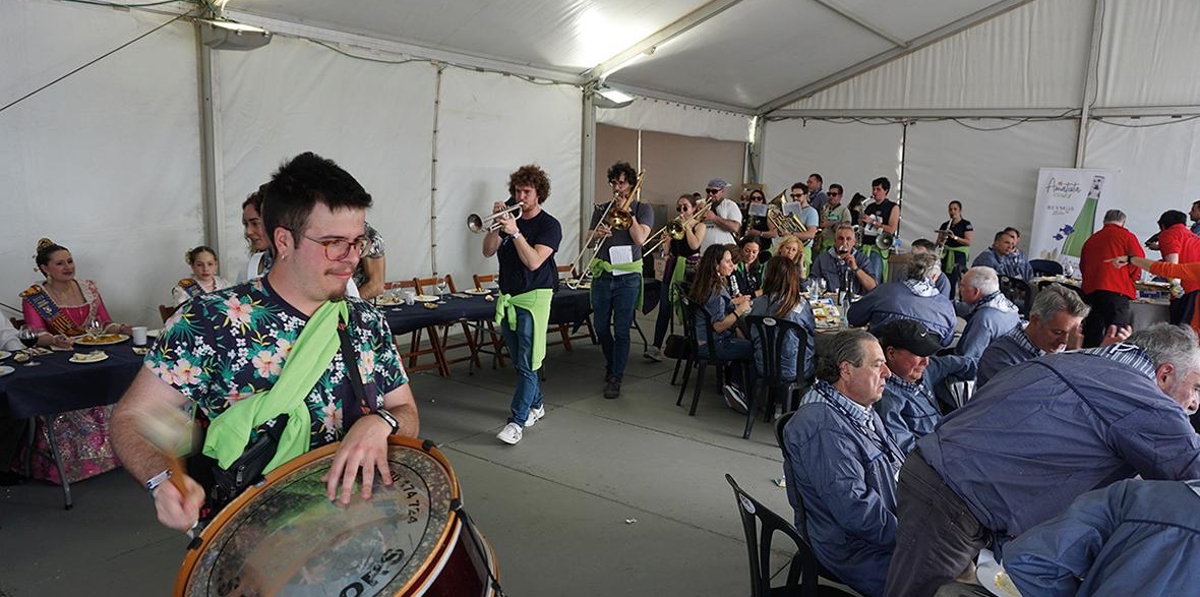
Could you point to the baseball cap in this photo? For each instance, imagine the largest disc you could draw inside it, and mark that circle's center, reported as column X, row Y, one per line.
column 910, row 335
column 717, row 183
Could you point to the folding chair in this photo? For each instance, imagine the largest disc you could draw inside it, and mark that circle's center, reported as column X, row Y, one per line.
column 416, row 351
column 472, row 357
column 166, row 311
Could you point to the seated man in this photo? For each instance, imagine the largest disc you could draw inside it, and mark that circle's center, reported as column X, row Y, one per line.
column 1132, row 538
column 1004, row 257
column 988, row 312
column 909, row 408
column 842, row 464
column 924, row 245
column 843, row 261
column 1036, row 438
column 914, row 298
column 230, row 353
column 1054, row 326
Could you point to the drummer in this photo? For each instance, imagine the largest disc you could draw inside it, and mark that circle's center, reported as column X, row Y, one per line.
column 229, row 354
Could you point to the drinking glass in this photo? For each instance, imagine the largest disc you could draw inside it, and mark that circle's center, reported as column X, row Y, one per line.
column 443, row 289
column 94, row 328
column 29, row 338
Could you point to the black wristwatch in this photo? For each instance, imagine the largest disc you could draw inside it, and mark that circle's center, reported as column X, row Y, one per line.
column 386, row 415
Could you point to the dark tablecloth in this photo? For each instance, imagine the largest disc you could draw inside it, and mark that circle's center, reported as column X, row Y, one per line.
column 569, row 306
column 58, row 385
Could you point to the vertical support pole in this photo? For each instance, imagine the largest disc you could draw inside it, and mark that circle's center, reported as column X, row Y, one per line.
column 587, row 169
column 433, row 171
column 212, row 178
column 1089, row 83
column 757, row 133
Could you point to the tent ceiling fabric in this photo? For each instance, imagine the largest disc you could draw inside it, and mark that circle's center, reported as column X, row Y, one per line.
column 743, row 56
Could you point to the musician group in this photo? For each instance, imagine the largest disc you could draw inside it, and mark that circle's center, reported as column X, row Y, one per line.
column 897, row 476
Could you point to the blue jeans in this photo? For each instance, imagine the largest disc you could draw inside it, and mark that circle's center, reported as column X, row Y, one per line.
column 738, row 350
column 520, row 347
column 614, row 299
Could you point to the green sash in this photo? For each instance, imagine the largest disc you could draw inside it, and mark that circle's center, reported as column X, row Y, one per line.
column 600, row 266
column 306, row 362
column 537, row 302
column 948, row 258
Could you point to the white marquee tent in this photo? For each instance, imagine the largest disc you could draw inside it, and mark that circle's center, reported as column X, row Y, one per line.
column 131, row 156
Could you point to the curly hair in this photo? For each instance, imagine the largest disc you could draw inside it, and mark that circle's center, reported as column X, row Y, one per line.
column 616, row 170
column 530, row 175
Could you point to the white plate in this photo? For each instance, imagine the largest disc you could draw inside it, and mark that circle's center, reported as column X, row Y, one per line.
column 5, row 370
column 102, row 340
column 987, row 570
column 4, row 354
column 478, row 291
column 153, row 333
column 84, row 357
column 425, row 298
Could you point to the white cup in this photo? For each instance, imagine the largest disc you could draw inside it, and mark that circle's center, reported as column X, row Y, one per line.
column 410, row 296
column 138, row 333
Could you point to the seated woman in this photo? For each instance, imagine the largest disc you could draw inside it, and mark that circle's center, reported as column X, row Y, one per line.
column 203, row 261
column 717, row 309
column 60, row 308
column 793, row 249
column 747, row 277
column 781, row 299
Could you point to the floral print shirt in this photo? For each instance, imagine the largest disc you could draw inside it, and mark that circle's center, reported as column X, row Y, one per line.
column 231, row 344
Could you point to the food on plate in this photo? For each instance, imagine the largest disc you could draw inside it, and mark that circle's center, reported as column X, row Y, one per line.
column 89, row 357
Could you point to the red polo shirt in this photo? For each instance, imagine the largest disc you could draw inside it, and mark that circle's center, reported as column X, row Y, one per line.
column 1178, row 239
column 1113, row 240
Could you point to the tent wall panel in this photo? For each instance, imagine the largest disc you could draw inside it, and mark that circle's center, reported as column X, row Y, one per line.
column 613, row 144
column 669, row 117
column 1033, row 56
column 374, row 120
column 848, row 153
column 1160, row 166
column 1148, row 57
column 106, row 161
column 676, row 164
column 994, row 174
column 490, row 125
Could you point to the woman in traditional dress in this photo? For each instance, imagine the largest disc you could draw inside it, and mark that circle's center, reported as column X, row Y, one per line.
column 58, row 309
column 204, row 279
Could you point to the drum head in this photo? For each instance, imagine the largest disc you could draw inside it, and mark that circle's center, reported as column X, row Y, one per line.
column 286, row 538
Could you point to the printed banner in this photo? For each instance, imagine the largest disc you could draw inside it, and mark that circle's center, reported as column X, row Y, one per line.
column 1070, row 206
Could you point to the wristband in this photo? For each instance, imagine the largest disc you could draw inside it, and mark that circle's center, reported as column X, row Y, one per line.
column 157, row 480
column 386, row 415
column 516, row 235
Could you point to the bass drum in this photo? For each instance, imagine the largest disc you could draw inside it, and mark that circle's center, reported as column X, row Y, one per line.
column 284, row 536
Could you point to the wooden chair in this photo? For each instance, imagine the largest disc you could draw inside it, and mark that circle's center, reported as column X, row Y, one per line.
column 498, row 349
column 564, row 328
column 166, row 311
column 415, row 350
column 472, row 356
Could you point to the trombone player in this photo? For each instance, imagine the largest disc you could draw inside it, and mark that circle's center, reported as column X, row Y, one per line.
column 525, row 247
column 621, row 227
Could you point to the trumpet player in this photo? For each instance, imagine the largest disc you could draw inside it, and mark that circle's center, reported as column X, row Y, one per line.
column 617, row 271
column 679, row 251
column 525, row 248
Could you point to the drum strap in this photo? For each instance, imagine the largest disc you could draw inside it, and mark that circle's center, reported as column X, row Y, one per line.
column 352, row 409
column 469, row 527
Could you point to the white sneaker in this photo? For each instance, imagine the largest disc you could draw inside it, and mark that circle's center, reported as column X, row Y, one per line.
column 511, row 434
column 534, row 415
column 653, row 353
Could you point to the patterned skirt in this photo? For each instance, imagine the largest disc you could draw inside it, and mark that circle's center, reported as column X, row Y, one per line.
column 83, row 446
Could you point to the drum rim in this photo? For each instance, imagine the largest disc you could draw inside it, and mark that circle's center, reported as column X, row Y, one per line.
column 194, row 549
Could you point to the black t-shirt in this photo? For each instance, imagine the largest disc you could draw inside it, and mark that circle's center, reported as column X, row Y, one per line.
column 515, row 278
column 960, row 230
column 681, row 248
column 881, row 210
column 760, row 224
column 642, row 212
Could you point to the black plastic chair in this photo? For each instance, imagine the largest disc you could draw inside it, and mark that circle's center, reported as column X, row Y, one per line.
column 1045, row 267
column 769, row 334
column 760, row 525
column 1019, row 292
column 698, row 358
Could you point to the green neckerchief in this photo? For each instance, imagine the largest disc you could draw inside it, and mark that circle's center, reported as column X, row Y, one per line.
column 600, row 266
column 677, row 276
column 537, row 302
column 948, row 256
column 308, row 359
column 883, row 256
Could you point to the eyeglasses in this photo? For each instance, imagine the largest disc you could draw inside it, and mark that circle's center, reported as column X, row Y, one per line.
column 834, row 194
column 679, row 209
column 712, row 191
column 796, row 195
column 338, row 248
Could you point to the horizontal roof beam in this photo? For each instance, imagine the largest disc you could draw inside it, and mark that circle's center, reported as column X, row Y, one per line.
column 861, row 22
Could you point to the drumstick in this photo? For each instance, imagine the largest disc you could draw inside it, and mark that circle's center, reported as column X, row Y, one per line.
column 169, row 431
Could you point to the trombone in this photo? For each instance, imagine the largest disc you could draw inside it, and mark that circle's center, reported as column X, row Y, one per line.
column 616, row 218
column 492, row 222
column 676, row 228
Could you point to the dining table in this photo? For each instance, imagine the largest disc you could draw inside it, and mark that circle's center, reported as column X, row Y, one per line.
column 56, row 385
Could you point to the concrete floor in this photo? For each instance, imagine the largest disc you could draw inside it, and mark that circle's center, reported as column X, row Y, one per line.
column 554, row 506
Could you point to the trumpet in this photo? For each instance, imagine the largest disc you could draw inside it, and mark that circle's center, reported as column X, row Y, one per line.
column 785, row 223
column 676, row 228
column 492, row 222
